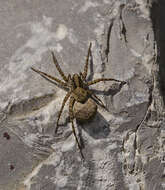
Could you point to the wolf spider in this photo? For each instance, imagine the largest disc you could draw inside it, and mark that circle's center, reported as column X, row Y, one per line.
column 77, row 89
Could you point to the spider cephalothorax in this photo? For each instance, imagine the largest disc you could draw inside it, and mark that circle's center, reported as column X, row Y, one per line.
column 78, row 90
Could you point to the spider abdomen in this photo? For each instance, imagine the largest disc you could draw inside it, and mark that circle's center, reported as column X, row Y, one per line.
column 80, row 94
column 85, row 112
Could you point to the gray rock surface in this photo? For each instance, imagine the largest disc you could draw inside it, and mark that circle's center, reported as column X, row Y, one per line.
column 124, row 146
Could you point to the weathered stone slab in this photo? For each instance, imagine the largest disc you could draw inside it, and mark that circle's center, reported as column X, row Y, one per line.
column 124, row 144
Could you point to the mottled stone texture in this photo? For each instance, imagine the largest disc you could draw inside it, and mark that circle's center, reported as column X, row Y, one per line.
column 123, row 145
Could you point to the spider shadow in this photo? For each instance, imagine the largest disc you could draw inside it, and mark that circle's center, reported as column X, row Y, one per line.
column 90, row 76
column 110, row 91
column 98, row 127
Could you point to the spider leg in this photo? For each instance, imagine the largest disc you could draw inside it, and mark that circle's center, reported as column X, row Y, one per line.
column 62, row 107
column 103, row 79
column 84, row 74
column 71, row 103
column 49, row 77
column 58, row 67
column 98, row 99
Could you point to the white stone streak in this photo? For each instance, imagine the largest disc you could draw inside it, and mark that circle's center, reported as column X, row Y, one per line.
column 61, row 32
column 130, row 151
column 60, row 180
column 68, row 144
column 30, row 139
column 21, row 60
column 132, row 183
column 87, row 5
column 53, row 159
column 135, row 53
column 27, row 182
column 107, row 1
column 147, row 60
column 144, row 9
column 58, row 48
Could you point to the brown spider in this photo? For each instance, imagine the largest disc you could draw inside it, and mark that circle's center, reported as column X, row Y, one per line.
column 78, row 89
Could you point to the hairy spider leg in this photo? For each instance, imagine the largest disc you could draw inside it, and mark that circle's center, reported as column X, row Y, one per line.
column 103, row 79
column 71, row 104
column 50, row 77
column 98, row 99
column 58, row 67
column 102, row 104
column 62, row 107
column 86, row 64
